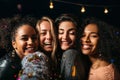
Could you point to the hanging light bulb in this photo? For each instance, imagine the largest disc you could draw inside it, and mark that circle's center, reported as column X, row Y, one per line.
column 106, row 11
column 19, row 7
column 83, row 9
column 51, row 5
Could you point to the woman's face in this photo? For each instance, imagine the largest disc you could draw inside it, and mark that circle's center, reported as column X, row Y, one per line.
column 67, row 35
column 89, row 39
column 26, row 40
column 45, row 36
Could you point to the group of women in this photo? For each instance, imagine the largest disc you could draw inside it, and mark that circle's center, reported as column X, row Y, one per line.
column 60, row 49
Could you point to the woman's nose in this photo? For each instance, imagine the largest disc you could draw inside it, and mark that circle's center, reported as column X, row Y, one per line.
column 48, row 36
column 65, row 35
column 86, row 39
column 30, row 41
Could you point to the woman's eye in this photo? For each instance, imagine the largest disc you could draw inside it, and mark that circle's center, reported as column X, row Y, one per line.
column 94, row 36
column 24, row 38
column 42, row 33
column 72, row 32
column 60, row 32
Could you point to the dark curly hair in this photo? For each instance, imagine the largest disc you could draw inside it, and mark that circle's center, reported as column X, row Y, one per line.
column 17, row 21
column 8, row 28
column 109, row 41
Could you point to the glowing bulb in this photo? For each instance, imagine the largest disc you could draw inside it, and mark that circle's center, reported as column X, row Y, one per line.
column 106, row 11
column 83, row 9
column 19, row 6
column 51, row 5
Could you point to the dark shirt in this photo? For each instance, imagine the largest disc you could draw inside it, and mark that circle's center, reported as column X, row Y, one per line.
column 2, row 52
column 10, row 65
column 72, row 67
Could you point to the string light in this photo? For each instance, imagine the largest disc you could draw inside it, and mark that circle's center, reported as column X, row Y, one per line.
column 19, row 7
column 51, row 4
column 106, row 11
column 87, row 5
column 83, row 9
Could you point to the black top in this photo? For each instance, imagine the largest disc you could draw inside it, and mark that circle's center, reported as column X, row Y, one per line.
column 10, row 65
column 2, row 52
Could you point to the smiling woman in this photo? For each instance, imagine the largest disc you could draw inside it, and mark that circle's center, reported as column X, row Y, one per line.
column 47, row 41
column 67, row 29
column 47, row 37
column 98, row 43
column 24, row 40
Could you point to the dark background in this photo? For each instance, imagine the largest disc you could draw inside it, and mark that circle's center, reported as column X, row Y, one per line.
column 40, row 8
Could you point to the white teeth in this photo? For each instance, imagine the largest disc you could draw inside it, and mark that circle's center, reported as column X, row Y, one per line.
column 30, row 48
column 47, row 43
column 86, row 46
column 65, row 42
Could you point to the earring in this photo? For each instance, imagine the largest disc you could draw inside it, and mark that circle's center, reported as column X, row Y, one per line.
column 13, row 53
column 100, row 53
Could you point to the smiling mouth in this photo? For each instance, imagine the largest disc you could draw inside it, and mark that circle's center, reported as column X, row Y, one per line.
column 85, row 46
column 47, row 44
column 66, row 43
column 30, row 49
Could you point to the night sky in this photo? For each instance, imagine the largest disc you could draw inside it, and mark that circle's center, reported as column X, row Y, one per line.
column 40, row 8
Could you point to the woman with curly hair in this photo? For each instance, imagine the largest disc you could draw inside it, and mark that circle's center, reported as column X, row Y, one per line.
column 24, row 40
column 97, row 42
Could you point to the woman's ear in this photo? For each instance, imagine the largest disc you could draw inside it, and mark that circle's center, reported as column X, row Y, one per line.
column 14, row 44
